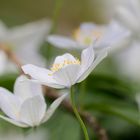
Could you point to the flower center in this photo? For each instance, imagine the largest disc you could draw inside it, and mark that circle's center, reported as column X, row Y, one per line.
column 57, row 66
column 86, row 37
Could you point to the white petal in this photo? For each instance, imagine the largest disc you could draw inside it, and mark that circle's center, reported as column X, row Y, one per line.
column 13, row 121
column 83, row 75
column 67, row 76
column 53, row 107
column 88, row 26
column 27, row 39
column 9, row 104
column 3, row 30
column 23, row 34
column 32, row 111
column 114, row 34
column 25, row 88
column 128, row 19
column 42, row 75
column 62, row 42
column 3, row 62
column 87, row 58
column 62, row 58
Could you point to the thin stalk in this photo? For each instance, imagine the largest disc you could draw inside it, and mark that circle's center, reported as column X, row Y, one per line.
column 78, row 116
column 82, row 92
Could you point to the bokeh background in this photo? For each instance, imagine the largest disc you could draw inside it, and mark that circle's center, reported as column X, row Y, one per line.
column 110, row 94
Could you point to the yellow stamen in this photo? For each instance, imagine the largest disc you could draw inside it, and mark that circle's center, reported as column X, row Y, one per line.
column 57, row 66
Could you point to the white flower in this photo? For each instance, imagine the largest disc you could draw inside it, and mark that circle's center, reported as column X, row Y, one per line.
column 66, row 70
column 90, row 34
column 26, row 107
column 26, row 40
column 129, row 16
column 5, row 65
column 128, row 61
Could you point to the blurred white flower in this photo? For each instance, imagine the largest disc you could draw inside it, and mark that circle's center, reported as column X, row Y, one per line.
column 5, row 65
column 90, row 34
column 26, row 40
column 66, row 70
column 26, row 107
column 129, row 61
column 129, row 16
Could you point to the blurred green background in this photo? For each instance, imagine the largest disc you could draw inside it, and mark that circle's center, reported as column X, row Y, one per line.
column 110, row 96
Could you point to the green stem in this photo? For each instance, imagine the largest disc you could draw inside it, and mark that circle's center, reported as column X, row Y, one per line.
column 78, row 116
column 82, row 92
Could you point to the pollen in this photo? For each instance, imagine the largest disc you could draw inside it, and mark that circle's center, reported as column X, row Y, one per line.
column 57, row 66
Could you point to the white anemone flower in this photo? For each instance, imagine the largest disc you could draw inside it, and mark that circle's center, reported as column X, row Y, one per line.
column 89, row 34
column 26, row 40
column 129, row 16
column 128, row 61
column 66, row 70
column 26, row 107
column 5, row 65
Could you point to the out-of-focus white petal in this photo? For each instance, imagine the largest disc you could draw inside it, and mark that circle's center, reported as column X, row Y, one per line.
column 53, row 107
column 62, row 58
column 25, row 88
column 27, row 39
column 127, row 18
column 67, row 76
column 129, row 61
column 87, row 26
column 3, row 62
column 97, row 60
column 132, row 5
column 13, row 121
column 114, row 34
column 3, row 30
column 62, row 42
column 32, row 111
column 9, row 104
column 42, row 75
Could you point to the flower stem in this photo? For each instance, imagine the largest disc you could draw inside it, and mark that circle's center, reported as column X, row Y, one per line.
column 77, row 115
column 82, row 92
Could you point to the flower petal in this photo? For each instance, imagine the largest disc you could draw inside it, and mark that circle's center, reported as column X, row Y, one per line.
column 53, row 107
column 25, row 88
column 84, row 73
column 3, row 62
column 13, row 121
column 128, row 18
column 114, row 34
column 67, row 75
column 62, row 42
column 32, row 111
column 42, row 75
column 87, row 57
column 3, row 30
column 62, row 58
column 27, row 39
column 9, row 104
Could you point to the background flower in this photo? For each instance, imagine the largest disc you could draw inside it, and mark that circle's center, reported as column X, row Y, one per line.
column 27, row 107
